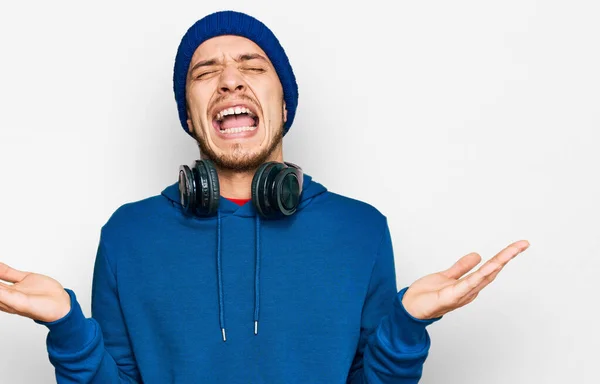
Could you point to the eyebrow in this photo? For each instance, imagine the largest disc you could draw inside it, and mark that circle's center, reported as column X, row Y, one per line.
column 242, row 57
column 250, row 56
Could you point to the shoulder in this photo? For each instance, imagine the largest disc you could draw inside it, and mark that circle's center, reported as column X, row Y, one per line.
column 354, row 206
column 135, row 217
column 352, row 213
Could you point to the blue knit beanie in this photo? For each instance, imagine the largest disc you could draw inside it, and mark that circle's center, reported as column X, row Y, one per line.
column 240, row 24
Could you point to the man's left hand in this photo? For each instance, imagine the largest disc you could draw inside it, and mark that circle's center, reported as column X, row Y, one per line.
column 435, row 295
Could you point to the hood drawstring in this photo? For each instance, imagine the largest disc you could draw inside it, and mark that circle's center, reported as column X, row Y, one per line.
column 219, row 277
column 256, row 277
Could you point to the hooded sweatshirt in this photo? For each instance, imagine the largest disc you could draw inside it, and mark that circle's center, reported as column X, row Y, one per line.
column 235, row 298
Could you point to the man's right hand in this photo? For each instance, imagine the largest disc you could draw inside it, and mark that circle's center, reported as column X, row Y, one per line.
column 32, row 295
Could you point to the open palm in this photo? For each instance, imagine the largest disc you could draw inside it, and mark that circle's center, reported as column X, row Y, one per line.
column 437, row 294
column 32, row 295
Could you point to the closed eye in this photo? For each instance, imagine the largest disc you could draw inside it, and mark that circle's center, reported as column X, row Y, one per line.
column 204, row 74
column 255, row 69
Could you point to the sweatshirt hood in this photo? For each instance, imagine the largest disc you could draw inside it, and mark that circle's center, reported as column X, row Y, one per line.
column 310, row 189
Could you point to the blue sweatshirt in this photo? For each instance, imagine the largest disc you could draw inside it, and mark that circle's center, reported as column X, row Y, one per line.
column 235, row 298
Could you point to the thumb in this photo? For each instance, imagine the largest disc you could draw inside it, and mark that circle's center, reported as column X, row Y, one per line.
column 462, row 266
column 10, row 274
column 11, row 300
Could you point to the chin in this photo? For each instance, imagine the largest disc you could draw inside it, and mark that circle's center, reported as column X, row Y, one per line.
column 237, row 157
column 240, row 162
column 241, row 155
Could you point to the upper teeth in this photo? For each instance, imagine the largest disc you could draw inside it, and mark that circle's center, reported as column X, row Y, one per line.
column 232, row 111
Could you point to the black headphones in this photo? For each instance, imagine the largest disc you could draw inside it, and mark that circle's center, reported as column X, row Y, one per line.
column 276, row 188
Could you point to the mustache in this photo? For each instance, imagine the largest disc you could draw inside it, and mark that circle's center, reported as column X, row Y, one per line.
column 224, row 99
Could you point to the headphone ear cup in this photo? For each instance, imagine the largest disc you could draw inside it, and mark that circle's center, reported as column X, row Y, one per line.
column 207, row 190
column 299, row 174
column 260, row 186
column 187, row 189
column 286, row 191
column 215, row 191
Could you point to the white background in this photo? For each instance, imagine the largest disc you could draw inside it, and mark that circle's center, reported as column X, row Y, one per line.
column 470, row 124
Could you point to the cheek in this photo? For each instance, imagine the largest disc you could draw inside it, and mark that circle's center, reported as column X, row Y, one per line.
column 267, row 90
column 198, row 103
column 272, row 102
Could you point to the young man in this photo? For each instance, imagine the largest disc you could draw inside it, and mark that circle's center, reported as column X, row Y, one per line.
column 245, row 270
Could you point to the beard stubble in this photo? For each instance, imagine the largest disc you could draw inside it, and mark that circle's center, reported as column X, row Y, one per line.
column 237, row 159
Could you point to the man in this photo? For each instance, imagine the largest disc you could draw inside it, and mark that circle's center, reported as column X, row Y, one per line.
column 246, row 270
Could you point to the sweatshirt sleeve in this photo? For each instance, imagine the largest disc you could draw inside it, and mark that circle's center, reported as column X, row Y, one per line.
column 393, row 345
column 96, row 349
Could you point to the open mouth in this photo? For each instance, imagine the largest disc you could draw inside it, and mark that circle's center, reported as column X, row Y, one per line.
column 235, row 119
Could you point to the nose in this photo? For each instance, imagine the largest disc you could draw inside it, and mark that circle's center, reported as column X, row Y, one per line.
column 231, row 82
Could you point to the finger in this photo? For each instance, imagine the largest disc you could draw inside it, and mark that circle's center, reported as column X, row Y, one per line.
column 4, row 286
column 467, row 289
column 487, row 273
column 466, row 263
column 462, row 266
column 468, row 299
column 510, row 252
column 472, row 295
column 12, row 298
column 7, row 309
column 498, row 261
column 486, row 281
column 10, row 274
column 456, row 292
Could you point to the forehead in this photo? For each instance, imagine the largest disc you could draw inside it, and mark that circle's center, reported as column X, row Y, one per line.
column 226, row 45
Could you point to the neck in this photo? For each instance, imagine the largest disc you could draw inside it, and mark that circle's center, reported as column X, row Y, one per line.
column 237, row 185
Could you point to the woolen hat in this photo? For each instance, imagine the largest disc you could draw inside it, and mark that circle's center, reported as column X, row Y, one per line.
column 239, row 24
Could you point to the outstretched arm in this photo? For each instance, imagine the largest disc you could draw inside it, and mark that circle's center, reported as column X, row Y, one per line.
column 394, row 342
column 82, row 350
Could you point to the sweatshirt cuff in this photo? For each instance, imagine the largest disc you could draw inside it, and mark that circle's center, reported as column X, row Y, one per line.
column 405, row 331
column 399, row 306
column 72, row 332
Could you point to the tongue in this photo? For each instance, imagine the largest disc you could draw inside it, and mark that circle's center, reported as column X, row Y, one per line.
column 237, row 121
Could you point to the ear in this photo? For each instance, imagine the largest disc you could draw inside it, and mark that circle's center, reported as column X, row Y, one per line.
column 189, row 122
column 284, row 113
